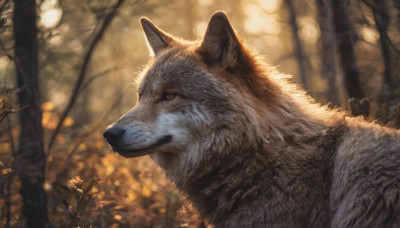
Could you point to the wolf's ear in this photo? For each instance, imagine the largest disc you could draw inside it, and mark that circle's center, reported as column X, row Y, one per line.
column 156, row 38
column 220, row 44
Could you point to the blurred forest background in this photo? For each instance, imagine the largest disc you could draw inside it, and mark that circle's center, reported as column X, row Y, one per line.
column 68, row 69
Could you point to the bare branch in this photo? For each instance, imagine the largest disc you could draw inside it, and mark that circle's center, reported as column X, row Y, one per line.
column 3, row 115
column 93, row 40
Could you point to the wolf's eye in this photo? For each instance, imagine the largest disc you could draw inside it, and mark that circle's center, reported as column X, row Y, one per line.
column 168, row 96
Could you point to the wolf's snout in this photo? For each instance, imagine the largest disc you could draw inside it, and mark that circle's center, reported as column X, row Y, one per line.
column 114, row 135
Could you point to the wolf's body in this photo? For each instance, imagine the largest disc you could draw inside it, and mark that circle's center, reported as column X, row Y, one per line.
column 251, row 150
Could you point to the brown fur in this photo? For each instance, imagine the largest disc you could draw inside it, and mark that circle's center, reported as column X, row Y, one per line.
column 248, row 148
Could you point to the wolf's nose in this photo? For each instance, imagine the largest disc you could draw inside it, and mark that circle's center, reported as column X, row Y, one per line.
column 114, row 135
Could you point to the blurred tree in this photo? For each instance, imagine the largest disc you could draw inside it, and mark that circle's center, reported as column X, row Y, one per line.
column 345, row 46
column 30, row 160
column 328, row 53
column 382, row 18
column 302, row 58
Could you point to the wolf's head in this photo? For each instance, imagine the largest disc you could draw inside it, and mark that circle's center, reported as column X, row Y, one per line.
column 195, row 98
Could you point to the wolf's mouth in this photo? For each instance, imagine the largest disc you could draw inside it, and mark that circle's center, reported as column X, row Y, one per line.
column 129, row 153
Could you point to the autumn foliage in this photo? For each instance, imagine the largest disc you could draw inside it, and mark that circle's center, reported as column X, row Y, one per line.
column 88, row 185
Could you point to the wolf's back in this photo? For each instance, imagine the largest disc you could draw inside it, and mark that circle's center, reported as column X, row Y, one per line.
column 366, row 177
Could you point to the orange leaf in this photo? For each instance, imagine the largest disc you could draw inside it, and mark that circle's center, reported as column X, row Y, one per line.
column 47, row 106
column 68, row 122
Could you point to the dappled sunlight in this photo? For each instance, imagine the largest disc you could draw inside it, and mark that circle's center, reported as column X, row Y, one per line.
column 51, row 13
column 75, row 45
column 4, row 60
column 259, row 22
column 58, row 95
column 47, row 106
column 205, row 3
column 201, row 29
column 309, row 30
column 369, row 34
column 51, row 118
column 51, row 17
column 270, row 6
column 55, row 40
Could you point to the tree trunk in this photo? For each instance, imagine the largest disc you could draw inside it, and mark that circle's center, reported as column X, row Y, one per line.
column 300, row 54
column 381, row 16
column 397, row 5
column 328, row 51
column 345, row 46
column 30, row 158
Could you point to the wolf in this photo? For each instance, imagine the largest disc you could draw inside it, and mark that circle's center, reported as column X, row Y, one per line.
column 250, row 149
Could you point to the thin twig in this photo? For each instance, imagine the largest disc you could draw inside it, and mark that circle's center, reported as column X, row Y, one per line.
column 12, row 111
column 97, row 34
column 69, row 212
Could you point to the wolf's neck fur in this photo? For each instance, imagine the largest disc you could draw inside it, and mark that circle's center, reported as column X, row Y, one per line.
column 280, row 177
